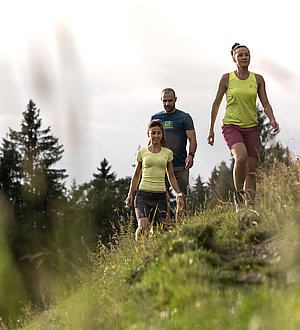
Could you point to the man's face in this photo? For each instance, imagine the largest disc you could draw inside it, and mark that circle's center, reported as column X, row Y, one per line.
column 168, row 100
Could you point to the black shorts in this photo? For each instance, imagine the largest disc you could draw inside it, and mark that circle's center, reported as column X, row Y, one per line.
column 151, row 205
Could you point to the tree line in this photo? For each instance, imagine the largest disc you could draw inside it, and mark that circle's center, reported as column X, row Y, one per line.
column 49, row 227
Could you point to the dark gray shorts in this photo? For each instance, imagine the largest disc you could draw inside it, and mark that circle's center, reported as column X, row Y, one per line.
column 182, row 177
column 151, row 205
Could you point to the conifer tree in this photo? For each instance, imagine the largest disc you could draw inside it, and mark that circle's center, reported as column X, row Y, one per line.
column 10, row 174
column 269, row 150
column 103, row 199
column 225, row 181
column 40, row 150
column 104, row 172
column 221, row 183
column 32, row 182
column 212, row 181
column 197, row 195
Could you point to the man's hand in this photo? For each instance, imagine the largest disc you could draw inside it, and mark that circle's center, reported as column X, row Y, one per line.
column 189, row 162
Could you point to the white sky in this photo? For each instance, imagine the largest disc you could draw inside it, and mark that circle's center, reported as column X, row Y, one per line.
column 96, row 70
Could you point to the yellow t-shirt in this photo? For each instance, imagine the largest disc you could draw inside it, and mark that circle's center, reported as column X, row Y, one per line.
column 154, row 168
column 241, row 101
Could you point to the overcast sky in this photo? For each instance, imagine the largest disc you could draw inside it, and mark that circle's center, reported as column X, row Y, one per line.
column 96, row 70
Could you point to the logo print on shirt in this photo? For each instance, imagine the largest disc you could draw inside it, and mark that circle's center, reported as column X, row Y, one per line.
column 168, row 124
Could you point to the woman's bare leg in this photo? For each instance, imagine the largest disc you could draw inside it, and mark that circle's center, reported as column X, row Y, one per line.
column 240, row 155
column 250, row 181
column 143, row 225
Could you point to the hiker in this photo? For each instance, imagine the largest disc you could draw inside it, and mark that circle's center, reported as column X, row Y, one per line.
column 240, row 123
column 179, row 128
column 153, row 162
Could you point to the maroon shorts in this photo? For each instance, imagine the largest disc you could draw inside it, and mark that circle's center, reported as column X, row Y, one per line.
column 249, row 136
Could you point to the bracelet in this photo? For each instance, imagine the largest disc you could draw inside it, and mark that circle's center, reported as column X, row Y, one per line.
column 192, row 154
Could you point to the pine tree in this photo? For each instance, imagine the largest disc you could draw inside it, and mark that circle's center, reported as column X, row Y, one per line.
column 40, row 151
column 32, row 182
column 197, row 196
column 104, row 172
column 10, row 178
column 212, row 182
column 34, row 190
column 265, row 132
column 220, row 184
column 225, row 181
column 269, row 150
column 103, row 199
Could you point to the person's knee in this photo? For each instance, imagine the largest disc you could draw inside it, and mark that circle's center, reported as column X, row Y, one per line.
column 143, row 223
column 251, row 166
column 241, row 159
column 251, row 174
column 240, row 154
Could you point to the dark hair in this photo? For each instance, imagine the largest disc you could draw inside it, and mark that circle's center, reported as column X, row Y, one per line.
column 158, row 123
column 168, row 91
column 237, row 46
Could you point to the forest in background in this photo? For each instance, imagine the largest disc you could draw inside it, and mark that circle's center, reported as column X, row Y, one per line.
column 47, row 229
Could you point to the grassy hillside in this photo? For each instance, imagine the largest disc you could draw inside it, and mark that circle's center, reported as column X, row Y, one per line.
column 216, row 270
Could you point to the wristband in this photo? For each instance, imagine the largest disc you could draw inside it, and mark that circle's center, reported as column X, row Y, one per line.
column 192, row 154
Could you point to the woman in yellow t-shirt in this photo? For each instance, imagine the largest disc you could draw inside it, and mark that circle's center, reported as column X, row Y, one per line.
column 152, row 164
column 240, row 123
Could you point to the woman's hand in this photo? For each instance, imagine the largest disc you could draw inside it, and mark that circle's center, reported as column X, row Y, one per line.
column 275, row 125
column 129, row 200
column 180, row 202
column 134, row 182
column 211, row 137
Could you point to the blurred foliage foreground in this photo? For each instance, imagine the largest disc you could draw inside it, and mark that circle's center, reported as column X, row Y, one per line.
column 215, row 270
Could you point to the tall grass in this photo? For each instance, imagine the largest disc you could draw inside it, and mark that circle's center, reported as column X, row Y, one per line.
column 216, row 270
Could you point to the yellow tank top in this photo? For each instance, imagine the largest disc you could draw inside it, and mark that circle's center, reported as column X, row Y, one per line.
column 241, row 101
column 154, row 168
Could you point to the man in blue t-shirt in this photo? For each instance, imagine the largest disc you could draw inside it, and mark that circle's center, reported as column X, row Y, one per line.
column 179, row 128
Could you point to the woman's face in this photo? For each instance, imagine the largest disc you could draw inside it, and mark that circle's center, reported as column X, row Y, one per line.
column 155, row 134
column 242, row 57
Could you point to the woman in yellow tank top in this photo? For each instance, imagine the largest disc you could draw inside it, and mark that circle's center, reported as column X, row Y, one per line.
column 153, row 162
column 240, row 122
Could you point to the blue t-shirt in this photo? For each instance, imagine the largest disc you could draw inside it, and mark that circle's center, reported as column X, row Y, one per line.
column 175, row 125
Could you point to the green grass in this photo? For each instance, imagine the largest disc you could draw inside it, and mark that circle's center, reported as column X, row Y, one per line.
column 217, row 270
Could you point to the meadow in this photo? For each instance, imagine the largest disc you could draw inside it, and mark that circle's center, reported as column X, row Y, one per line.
column 216, row 269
